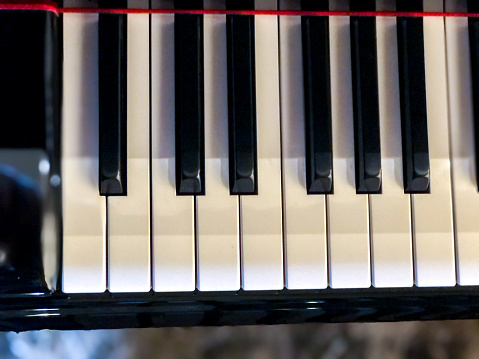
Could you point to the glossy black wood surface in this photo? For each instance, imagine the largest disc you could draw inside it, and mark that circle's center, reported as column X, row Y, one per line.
column 103, row 311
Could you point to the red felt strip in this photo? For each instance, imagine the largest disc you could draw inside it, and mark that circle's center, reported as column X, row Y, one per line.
column 271, row 12
column 48, row 5
column 45, row 5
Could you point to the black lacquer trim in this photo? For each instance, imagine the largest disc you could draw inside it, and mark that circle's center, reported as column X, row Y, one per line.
column 82, row 312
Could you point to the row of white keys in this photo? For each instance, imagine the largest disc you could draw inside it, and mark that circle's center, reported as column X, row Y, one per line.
column 466, row 198
column 432, row 214
column 304, row 215
column 172, row 216
column 390, row 222
column 218, row 245
column 128, row 216
column 84, row 211
column 261, row 215
column 262, row 258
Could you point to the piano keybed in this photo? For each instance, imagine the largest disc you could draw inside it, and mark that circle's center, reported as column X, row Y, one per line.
column 238, row 169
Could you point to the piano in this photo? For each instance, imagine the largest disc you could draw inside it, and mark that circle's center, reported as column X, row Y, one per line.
column 227, row 162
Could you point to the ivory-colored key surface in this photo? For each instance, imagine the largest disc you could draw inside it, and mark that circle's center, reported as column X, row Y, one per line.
column 217, row 212
column 304, row 215
column 391, row 242
column 461, row 125
column 84, row 210
column 349, row 262
column 172, row 215
column 128, row 216
column 432, row 213
column 261, row 222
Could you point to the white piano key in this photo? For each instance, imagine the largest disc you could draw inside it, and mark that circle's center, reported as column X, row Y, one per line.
column 172, row 215
column 304, row 215
column 217, row 211
column 128, row 216
column 432, row 213
column 391, row 242
column 461, row 122
column 349, row 262
column 261, row 222
column 84, row 210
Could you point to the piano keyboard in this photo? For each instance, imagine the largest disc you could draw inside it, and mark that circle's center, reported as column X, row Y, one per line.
column 264, row 152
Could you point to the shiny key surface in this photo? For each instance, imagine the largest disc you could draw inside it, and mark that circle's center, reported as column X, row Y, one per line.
column 364, row 70
column 304, row 215
column 261, row 215
column 84, row 210
column 390, row 212
column 349, row 259
column 317, row 99
column 129, row 216
column 172, row 216
column 112, row 72
column 242, row 141
column 460, row 58
column 414, row 111
column 218, row 246
column 189, row 101
column 432, row 220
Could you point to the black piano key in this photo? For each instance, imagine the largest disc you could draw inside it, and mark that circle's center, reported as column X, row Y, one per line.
column 243, row 158
column 189, row 103
column 317, row 99
column 473, row 6
column 367, row 147
column 24, row 78
column 412, row 84
column 410, row 5
column 112, row 43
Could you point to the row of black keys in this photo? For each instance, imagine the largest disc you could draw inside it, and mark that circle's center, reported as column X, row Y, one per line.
column 243, row 175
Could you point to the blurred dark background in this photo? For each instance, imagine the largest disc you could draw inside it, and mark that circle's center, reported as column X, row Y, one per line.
column 412, row 340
